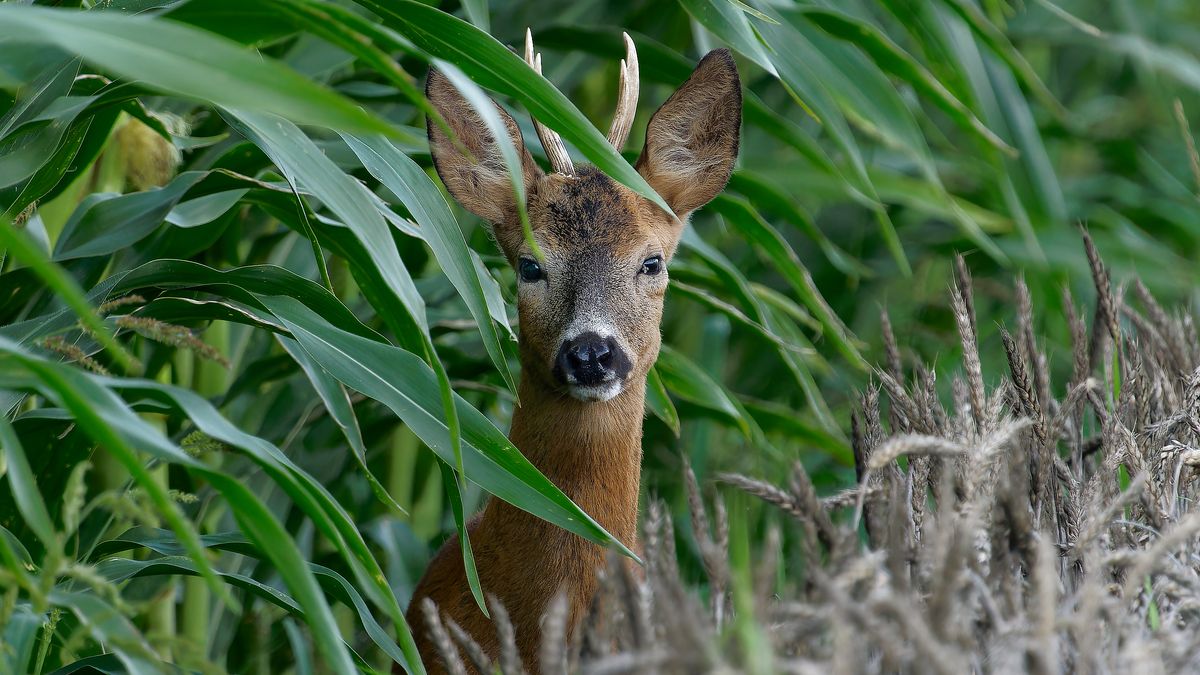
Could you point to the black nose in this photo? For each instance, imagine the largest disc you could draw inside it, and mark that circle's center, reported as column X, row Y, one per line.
column 589, row 359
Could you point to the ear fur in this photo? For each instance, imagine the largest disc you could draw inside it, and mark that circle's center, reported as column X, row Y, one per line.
column 480, row 182
column 692, row 140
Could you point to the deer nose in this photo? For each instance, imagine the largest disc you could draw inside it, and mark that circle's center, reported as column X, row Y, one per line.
column 589, row 359
column 588, row 354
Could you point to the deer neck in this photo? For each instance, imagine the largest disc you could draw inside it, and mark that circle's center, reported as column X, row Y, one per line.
column 591, row 451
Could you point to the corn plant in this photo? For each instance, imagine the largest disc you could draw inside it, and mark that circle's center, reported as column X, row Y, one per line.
column 254, row 366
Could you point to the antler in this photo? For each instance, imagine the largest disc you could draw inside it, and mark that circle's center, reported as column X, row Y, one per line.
column 627, row 103
column 552, row 143
column 622, row 122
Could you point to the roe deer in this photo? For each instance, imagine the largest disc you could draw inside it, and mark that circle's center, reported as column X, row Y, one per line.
column 589, row 331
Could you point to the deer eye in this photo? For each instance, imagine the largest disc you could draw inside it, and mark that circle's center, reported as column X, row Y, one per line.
column 652, row 265
column 530, row 271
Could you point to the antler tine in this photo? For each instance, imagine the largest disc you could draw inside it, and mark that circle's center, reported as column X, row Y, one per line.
column 552, row 143
column 627, row 103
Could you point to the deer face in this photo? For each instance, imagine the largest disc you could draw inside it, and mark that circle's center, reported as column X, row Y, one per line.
column 590, row 308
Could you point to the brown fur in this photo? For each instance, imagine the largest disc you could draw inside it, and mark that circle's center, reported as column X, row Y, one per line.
column 595, row 234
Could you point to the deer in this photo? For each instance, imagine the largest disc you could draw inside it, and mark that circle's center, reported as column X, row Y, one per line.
column 589, row 313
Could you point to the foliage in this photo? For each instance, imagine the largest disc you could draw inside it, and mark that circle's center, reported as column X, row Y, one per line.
column 986, row 551
column 235, row 306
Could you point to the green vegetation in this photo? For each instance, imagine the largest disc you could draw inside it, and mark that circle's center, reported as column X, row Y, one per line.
column 236, row 310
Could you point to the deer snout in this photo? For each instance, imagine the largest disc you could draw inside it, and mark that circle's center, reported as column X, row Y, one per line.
column 591, row 360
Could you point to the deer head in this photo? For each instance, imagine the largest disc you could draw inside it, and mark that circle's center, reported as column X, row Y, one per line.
column 590, row 310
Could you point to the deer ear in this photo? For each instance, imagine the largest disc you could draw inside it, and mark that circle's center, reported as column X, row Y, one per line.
column 480, row 182
column 692, row 140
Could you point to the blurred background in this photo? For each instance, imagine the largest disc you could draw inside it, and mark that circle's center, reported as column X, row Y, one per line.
column 880, row 139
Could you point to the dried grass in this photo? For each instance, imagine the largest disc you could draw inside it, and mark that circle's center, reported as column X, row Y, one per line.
column 1001, row 536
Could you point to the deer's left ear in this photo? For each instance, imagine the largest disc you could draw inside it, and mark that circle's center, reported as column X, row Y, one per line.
column 692, row 140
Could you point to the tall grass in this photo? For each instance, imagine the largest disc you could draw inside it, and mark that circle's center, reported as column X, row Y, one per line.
column 237, row 312
column 1047, row 527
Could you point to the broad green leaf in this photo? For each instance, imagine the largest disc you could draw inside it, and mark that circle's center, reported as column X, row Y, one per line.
column 735, row 282
column 731, row 23
column 307, row 167
column 797, row 63
column 689, row 381
column 109, row 626
column 743, row 216
column 714, row 303
column 164, row 542
column 892, row 59
column 767, row 197
column 303, row 162
column 777, row 418
column 1000, row 45
column 659, row 402
column 65, row 287
column 337, row 403
column 106, row 223
column 454, row 493
column 185, row 61
column 251, row 279
column 24, row 486
column 440, row 230
column 19, row 635
column 357, row 35
column 206, row 209
column 330, row 518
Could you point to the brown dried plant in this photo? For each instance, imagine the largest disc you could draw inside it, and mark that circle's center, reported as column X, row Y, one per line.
column 1037, row 527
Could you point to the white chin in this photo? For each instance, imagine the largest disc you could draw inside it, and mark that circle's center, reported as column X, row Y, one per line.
column 595, row 393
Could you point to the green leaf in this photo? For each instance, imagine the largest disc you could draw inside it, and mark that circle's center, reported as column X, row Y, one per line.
column 112, row 424
column 185, row 61
column 406, row 384
column 495, row 67
column 746, row 295
column 109, row 626
column 743, row 217
column 105, row 223
column 118, row 570
column 19, row 636
column 995, row 39
column 337, row 403
column 24, row 486
column 450, row 485
column 892, row 59
column 659, row 402
column 805, row 74
column 690, row 382
column 723, row 18
column 307, row 167
column 440, row 230
column 66, row 288
column 310, row 170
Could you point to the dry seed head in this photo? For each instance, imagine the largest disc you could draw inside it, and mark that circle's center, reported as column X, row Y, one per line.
column 914, row 445
column 468, row 645
column 510, row 659
column 451, row 660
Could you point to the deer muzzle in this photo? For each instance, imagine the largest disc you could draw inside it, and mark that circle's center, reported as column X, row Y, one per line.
column 592, row 367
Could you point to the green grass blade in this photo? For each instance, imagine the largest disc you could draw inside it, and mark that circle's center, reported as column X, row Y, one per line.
column 494, row 66
column 186, row 61
column 407, row 386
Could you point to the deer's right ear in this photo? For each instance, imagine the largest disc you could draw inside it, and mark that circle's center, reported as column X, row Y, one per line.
column 480, row 182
